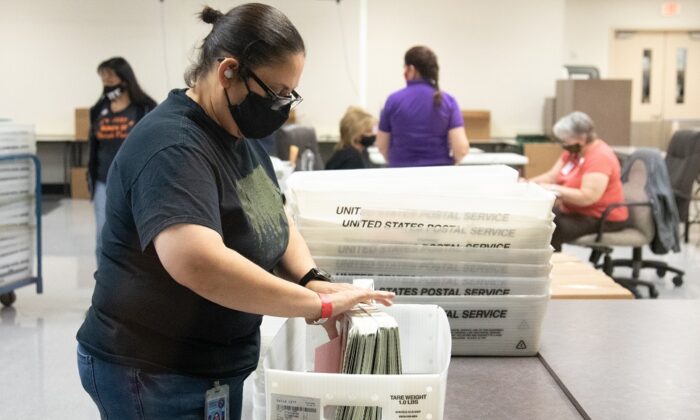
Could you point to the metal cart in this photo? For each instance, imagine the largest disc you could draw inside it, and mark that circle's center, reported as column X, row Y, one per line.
column 7, row 294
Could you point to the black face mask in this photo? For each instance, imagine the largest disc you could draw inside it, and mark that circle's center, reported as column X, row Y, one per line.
column 367, row 141
column 113, row 92
column 574, row 149
column 255, row 117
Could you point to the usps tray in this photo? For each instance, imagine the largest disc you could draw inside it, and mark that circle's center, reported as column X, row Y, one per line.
column 291, row 386
column 409, row 286
column 492, row 325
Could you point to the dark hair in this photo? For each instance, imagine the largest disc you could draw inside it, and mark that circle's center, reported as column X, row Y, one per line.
column 425, row 61
column 124, row 71
column 255, row 34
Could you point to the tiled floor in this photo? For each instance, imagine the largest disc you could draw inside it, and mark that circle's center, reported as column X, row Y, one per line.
column 38, row 376
column 688, row 260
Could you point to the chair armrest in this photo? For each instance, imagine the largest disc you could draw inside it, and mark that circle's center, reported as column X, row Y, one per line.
column 610, row 208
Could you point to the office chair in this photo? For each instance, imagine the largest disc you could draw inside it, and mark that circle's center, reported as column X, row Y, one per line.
column 302, row 137
column 639, row 233
column 683, row 163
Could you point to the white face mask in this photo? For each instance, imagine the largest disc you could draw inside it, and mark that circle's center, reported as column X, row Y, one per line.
column 113, row 92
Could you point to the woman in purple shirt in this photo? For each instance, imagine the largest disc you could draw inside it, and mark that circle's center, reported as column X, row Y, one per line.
column 420, row 125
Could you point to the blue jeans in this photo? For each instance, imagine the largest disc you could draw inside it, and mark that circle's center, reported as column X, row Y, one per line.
column 126, row 393
column 99, row 198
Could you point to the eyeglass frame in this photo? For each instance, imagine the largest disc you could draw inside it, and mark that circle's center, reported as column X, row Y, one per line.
column 277, row 101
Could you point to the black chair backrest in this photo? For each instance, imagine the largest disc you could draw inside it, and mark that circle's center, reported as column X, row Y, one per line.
column 683, row 163
column 302, row 137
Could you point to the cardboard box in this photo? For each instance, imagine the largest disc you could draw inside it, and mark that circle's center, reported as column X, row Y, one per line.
column 607, row 102
column 82, row 124
column 549, row 115
column 78, row 183
column 541, row 156
column 477, row 124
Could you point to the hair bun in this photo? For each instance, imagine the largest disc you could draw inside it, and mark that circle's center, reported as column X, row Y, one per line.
column 209, row 15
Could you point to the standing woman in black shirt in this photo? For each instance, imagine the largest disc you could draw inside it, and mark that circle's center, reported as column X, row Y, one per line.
column 356, row 135
column 122, row 104
column 197, row 245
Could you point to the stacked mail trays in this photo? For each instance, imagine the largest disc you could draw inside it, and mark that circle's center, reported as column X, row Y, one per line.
column 470, row 239
column 17, row 202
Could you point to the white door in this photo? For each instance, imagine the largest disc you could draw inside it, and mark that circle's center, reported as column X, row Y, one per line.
column 682, row 84
column 640, row 56
column 664, row 67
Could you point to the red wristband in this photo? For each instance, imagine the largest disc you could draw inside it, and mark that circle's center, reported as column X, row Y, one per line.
column 326, row 306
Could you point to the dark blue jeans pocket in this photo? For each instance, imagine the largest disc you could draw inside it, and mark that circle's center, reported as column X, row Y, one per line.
column 86, row 370
column 156, row 391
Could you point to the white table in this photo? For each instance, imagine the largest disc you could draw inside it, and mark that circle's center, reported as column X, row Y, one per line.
column 72, row 153
column 510, row 159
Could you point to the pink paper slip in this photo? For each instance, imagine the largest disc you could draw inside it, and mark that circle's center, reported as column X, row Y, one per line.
column 327, row 357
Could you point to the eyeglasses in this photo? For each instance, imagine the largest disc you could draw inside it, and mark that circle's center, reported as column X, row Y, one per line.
column 277, row 102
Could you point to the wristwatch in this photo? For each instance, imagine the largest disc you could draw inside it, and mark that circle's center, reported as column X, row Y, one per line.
column 326, row 309
column 315, row 274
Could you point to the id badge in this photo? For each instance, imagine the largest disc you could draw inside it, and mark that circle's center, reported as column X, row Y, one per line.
column 216, row 403
column 567, row 168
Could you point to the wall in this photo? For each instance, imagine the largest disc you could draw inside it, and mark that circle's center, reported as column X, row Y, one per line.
column 49, row 68
column 588, row 25
column 505, row 62
column 501, row 55
column 493, row 59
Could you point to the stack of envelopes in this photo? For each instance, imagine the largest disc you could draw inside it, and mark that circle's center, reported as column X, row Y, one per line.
column 370, row 345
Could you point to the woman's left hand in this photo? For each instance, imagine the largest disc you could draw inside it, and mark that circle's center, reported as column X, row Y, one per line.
column 327, row 287
column 320, row 286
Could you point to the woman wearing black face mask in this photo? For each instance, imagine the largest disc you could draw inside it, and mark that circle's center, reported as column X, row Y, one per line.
column 586, row 180
column 120, row 107
column 356, row 135
column 196, row 235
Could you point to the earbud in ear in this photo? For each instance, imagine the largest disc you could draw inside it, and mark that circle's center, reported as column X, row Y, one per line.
column 228, row 73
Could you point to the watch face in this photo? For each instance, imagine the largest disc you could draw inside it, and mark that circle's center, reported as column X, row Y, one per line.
column 322, row 274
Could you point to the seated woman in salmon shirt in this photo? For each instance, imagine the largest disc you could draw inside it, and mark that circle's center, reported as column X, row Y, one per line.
column 586, row 179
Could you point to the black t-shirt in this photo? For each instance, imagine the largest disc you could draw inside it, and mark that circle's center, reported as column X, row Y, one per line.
column 347, row 158
column 111, row 129
column 179, row 166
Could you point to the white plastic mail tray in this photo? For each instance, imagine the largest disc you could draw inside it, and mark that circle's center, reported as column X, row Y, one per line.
column 14, row 189
column 393, row 220
column 538, row 238
column 15, row 237
column 372, row 267
column 429, row 252
column 535, row 203
column 437, row 184
column 16, row 139
column 292, row 387
column 492, row 326
column 423, row 186
column 453, row 217
column 16, row 170
column 16, row 265
column 432, row 177
column 18, row 212
column 407, row 286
